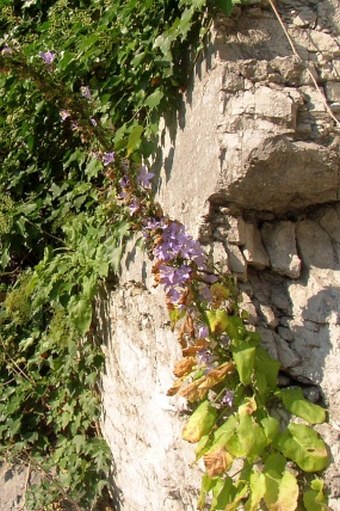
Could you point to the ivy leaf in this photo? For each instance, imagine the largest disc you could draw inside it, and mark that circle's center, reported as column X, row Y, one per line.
column 154, row 99
column 80, row 310
column 226, row 6
column 135, row 138
column 303, row 445
column 294, row 401
column 200, row 423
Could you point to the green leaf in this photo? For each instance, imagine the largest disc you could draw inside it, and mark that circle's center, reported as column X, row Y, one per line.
column 315, row 499
column 257, row 490
column 226, row 6
column 294, row 401
column 281, row 491
column 303, row 445
column 154, row 99
column 264, row 364
column 271, row 428
column 80, row 309
column 206, row 485
column 135, row 138
column 244, row 357
column 93, row 168
column 217, row 320
column 200, row 423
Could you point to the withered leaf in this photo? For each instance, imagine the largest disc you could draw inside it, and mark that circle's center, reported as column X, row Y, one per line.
column 184, row 366
column 193, row 392
column 217, row 462
column 217, row 375
column 199, row 345
column 198, row 389
column 175, row 388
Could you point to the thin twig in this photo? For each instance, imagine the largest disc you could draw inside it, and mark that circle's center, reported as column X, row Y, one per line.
column 292, row 45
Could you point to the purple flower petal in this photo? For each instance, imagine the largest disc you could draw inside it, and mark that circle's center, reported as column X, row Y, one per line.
column 108, row 158
column 47, row 56
column 144, row 177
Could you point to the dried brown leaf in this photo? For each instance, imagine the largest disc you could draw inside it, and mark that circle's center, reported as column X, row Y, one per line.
column 217, row 462
column 184, row 366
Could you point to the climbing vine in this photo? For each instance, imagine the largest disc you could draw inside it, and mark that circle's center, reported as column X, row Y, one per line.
column 82, row 85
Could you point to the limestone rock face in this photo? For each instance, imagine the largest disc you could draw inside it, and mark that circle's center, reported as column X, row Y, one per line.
column 252, row 168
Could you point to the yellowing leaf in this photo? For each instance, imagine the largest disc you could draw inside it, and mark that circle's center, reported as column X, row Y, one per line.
column 218, row 320
column 257, row 491
column 244, row 357
column 303, row 445
column 200, row 423
column 294, row 401
column 281, row 492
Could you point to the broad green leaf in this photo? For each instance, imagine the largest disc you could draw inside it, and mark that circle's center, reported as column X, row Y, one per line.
column 315, row 499
column 271, row 428
column 206, row 485
column 223, row 493
column 257, row 491
column 244, row 357
column 268, row 366
column 281, row 492
column 294, row 401
column 200, row 423
column 303, row 445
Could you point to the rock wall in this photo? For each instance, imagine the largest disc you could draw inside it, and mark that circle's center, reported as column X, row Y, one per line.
column 252, row 167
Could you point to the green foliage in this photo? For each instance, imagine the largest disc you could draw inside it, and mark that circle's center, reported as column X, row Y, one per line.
column 244, row 432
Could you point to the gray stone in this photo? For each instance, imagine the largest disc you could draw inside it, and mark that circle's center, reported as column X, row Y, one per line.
column 236, row 261
column 279, row 240
column 286, row 355
column 309, row 234
column 236, row 232
column 269, row 316
column 254, row 251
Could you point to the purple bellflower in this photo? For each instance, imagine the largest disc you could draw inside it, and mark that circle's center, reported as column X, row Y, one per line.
column 144, row 177
column 108, row 158
column 47, row 56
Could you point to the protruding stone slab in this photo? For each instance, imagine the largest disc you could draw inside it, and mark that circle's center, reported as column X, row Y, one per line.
column 254, row 252
column 279, row 240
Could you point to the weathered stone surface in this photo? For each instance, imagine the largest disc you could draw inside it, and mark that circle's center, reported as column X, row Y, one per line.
column 141, row 423
column 309, row 234
column 254, row 252
column 279, row 240
column 236, row 261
